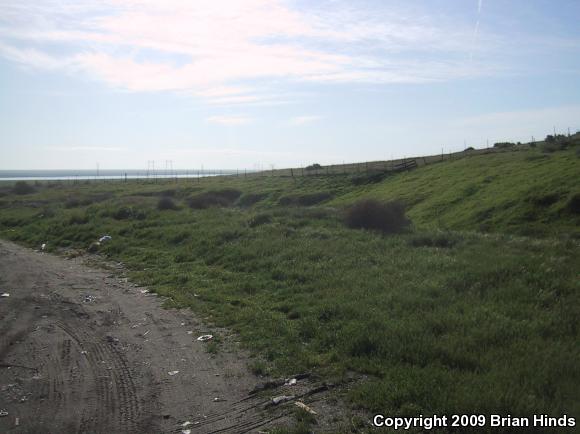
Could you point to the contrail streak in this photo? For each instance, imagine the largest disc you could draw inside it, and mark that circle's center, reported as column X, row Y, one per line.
column 476, row 30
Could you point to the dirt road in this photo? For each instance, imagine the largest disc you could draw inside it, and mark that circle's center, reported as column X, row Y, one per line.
column 83, row 351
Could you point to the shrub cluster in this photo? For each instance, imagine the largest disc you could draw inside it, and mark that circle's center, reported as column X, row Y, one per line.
column 544, row 200
column 573, row 204
column 218, row 198
column 388, row 217
column 78, row 219
column 166, row 203
column 22, row 187
column 503, row 145
column 250, row 199
column 127, row 213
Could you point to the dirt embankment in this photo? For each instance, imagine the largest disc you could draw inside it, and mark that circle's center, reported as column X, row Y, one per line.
column 82, row 351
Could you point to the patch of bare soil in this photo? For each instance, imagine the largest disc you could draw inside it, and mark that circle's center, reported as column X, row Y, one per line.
column 83, row 351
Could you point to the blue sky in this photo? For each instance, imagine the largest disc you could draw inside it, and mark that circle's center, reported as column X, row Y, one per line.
column 256, row 83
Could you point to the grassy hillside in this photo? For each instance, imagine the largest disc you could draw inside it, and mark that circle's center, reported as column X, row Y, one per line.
column 526, row 192
column 461, row 314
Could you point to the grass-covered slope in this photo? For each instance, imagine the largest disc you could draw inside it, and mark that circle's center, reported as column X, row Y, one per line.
column 526, row 192
column 441, row 321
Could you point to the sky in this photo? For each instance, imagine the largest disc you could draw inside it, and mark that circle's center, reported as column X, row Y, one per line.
column 254, row 84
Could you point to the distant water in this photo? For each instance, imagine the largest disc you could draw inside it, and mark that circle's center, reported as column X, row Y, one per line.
column 33, row 175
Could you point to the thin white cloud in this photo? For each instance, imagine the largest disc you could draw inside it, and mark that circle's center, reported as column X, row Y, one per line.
column 212, row 50
column 476, row 30
column 303, row 120
column 84, row 148
column 231, row 152
column 229, row 120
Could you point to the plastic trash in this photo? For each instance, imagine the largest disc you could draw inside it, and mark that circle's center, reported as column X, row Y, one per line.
column 172, row 373
column 186, row 431
column 5, row 295
column 281, row 399
column 43, row 246
column 105, row 238
column 304, row 407
column 186, row 424
column 204, row 338
column 3, row 413
column 291, row 382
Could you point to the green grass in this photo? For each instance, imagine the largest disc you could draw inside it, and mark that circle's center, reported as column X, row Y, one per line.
column 462, row 314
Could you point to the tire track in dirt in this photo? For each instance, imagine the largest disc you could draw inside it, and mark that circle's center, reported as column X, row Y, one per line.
column 116, row 393
column 97, row 352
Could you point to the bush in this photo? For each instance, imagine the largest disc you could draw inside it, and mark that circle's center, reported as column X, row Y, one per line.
column 78, row 219
column 544, row 200
column 250, row 199
column 305, row 199
column 219, row 198
column 78, row 201
column 314, row 166
column 22, row 187
column 503, row 145
column 573, row 204
column 550, row 147
column 166, row 203
column 384, row 217
column 168, row 193
column 72, row 202
column 126, row 213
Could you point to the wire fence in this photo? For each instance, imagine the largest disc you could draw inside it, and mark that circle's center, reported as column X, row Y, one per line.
column 316, row 170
